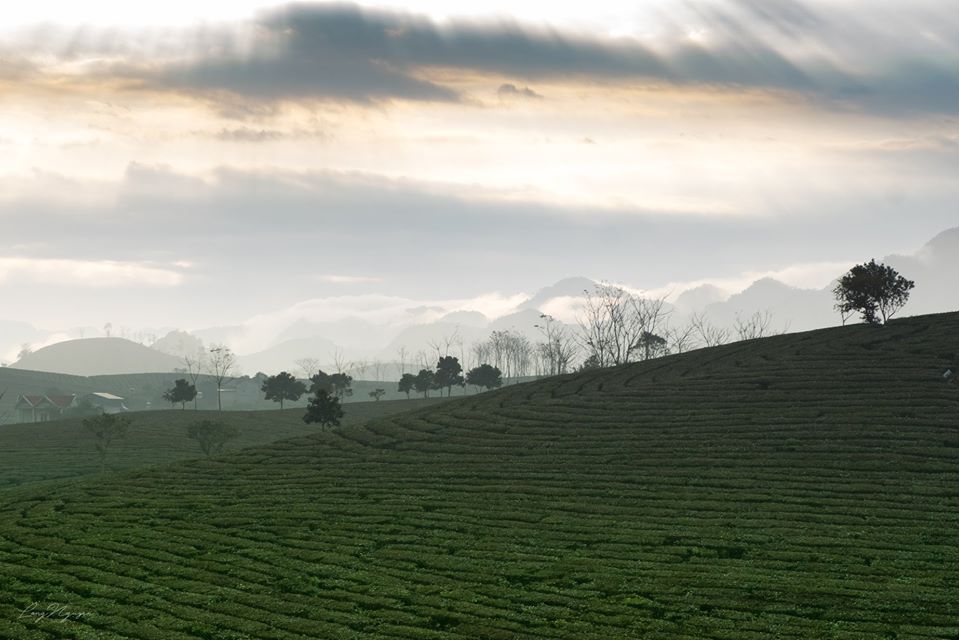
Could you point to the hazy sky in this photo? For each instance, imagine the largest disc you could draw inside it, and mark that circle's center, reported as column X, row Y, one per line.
column 185, row 166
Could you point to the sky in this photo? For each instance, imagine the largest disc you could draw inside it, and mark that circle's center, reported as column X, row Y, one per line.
column 207, row 164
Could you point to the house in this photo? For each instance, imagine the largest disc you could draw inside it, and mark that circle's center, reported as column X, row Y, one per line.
column 37, row 408
column 105, row 402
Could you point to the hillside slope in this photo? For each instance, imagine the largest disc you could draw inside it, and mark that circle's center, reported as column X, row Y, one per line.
column 803, row 486
column 98, row 356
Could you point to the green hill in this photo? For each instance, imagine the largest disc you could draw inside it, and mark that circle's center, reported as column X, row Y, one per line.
column 802, row 486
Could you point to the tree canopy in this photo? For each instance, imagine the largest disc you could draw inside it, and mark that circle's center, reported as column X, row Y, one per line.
column 486, row 376
column 211, row 435
column 407, row 384
column 875, row 290
column 283, row 386
column 181, row 393
column 448, row 373
column 335, row 384
column 424, row 381
column 324, row 408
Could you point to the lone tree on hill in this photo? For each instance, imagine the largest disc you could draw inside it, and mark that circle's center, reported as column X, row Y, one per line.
column 106, row 428
column 486, row 376
column 324, row 409
column 211, row 435
column 424, row 382
column 448, row 373
column 336, row 384
column 181, row 393
column 407, row 384
column 283, row 386
column 875, row 290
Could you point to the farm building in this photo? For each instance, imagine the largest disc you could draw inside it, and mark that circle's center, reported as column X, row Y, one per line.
column 106, row 402
column 37, row 408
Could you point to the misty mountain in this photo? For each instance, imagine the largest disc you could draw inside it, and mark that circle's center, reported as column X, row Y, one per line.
column 98, row 356
column 283, row 356
column 566, row 288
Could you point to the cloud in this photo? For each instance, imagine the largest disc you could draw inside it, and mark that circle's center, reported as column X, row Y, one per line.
column 509, row 90
column 878, row 57
column 341, row 279
column 94, row 274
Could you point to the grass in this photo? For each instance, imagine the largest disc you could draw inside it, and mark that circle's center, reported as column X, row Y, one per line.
column 803, row 486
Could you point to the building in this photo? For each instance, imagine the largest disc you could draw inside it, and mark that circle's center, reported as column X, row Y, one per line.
column 37, row 408
column 105, row 402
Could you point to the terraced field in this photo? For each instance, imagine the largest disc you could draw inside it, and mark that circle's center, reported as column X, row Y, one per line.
column 804, row 486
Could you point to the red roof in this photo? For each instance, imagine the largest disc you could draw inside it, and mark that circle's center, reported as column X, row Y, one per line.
column 60, row 402
column 63, row 402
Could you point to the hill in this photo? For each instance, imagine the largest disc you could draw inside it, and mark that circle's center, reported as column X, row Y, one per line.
column 98, row 356
column 802, row 486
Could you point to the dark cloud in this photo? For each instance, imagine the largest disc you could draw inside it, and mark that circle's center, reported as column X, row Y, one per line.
column 878, row 57
column 509, row 90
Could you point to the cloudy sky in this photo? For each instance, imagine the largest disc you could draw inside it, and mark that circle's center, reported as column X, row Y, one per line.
column 191, row 167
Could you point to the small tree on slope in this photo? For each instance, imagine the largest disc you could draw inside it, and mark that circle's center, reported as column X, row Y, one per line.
column 875, row 290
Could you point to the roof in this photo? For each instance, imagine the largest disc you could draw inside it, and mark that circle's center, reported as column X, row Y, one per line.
column 63, row 402
column 106, row 396
column 59, row 401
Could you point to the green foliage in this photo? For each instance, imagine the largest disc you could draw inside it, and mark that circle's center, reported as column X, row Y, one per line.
column 448, row 373
column 485, row 376
column 105, row 428
column 181, row 393
column 424, row 381
column 323, row 409
column 335, row 384
column 877, row 291
column 211, row 435
column 377, row 393
column 407, row 384
column 283, row 386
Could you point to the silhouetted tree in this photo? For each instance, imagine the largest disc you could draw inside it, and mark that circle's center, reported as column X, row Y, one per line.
column 336, row 384
column 324, row 409
column 875, row 290
column 181, row 393
column 376, row 394
column 651, row 345
column 407, row 384
column 195, row 363
column 448, row 373
column 211, row 435
column 485, row 376
column 106, row 428
column 424, row 382
column 283, row 386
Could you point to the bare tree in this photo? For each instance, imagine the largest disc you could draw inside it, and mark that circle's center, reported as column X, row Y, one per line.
column 308, row 366
column 558, row 347
column 221, row 362
column 757, row 325
column 614, row 323
column 681, row 339
column 340, row 362
column 402, row 353
column 709, row 334
column 378, row 366
column 195, row 364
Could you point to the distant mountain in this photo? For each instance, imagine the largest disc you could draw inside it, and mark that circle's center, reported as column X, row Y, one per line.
column 283, row 356
column 568, row 287
column 699, row 298
column 98, row 356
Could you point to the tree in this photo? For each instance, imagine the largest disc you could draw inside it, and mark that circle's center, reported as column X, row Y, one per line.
column 708, row 333
column 211, row 435
column 651, row 345
column 324, row 409
column 875, row 290
column 221, row 363
column 283, row 386
column 194, row 366
column 407, row 384
column 423, row 382
column 308, row 366
column 181, row 393
column 558, row 347
column 486, row 376
column 376, row 394
column 106, row 428
column 337, row 384
column 448, row 373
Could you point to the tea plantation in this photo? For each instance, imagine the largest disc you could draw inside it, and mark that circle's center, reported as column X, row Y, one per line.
column 802, row 486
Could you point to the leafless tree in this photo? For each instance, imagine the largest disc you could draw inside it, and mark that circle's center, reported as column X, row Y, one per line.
column 195, row 364
column 614, row 322
column 681, row 339
column 401, row 353
column 340, row 363
column 377, row 366
column 221, row 362
column 558, row 347
column 709, row 334
column 308, row 366
column 757, row 325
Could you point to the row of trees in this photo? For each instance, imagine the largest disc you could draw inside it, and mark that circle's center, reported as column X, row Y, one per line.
column 449, row 374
